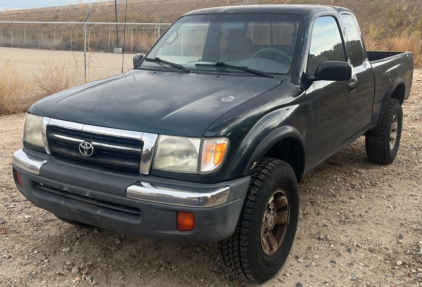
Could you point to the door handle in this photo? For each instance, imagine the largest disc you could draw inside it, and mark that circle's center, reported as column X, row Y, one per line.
column 352, row 87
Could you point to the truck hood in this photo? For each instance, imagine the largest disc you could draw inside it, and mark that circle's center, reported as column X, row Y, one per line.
column 152, row 101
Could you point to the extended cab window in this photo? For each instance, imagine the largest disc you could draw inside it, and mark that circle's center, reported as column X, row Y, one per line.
column 354, row 44
column 326, row 43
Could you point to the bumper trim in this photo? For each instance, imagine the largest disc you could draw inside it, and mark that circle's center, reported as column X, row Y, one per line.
column 180, row 196
column 22, row 161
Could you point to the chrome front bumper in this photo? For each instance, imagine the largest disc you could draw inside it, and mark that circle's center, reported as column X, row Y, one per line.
column 181, row 196
column 23, row 161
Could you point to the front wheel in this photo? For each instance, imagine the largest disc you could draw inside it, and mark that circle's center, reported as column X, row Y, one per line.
column 267, row 224
column 382, row 143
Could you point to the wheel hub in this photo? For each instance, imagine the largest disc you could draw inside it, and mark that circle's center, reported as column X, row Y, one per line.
column 270, row 221
column 393, row 132
column 275, row 222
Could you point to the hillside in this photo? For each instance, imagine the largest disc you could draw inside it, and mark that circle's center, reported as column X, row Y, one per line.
column 379, row 18
column 387, row 25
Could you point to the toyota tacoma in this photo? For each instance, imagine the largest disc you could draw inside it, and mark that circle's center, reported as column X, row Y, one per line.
column 207, row 138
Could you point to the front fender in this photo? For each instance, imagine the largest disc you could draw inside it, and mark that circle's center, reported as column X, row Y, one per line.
column 287, row 122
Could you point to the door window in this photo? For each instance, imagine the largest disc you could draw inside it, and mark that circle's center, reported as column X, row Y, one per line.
column 326, row 44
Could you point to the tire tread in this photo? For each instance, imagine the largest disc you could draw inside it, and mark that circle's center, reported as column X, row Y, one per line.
column 234, row 249
column 377, row 140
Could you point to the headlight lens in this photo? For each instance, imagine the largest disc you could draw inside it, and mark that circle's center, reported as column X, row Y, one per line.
column 32, row 132
column 180, row 154
column 177, row 154
column 213, row 151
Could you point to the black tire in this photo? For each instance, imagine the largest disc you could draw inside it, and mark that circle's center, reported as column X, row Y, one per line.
column 380, row 148
column 73, row 222
column 243, row 254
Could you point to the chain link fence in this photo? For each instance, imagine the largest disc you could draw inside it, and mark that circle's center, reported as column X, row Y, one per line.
column 52, row 56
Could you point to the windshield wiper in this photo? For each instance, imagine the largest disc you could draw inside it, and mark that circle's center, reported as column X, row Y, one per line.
column 158, row 61
column 246, row 69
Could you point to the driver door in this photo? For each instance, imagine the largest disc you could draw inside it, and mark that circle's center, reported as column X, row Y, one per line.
column 332, row 106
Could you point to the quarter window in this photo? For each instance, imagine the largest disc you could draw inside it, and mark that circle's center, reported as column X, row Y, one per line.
column 326, row 44
column 354, row 44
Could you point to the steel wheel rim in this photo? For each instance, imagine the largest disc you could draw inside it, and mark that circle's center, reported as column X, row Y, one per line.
column 275, row 222
column 393, row 132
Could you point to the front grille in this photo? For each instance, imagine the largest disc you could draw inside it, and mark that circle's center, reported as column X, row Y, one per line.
column 129, row 211
column 109, row 151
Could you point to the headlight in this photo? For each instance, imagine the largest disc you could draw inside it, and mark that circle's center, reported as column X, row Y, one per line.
column 32, row 131
column 180, row 154
column 177, row 154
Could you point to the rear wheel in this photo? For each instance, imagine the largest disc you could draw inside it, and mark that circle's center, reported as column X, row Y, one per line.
column 267, row 224
column 382, row 143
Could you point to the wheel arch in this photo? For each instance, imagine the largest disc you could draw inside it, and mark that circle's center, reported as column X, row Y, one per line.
column 396, row 91
column 284, row 143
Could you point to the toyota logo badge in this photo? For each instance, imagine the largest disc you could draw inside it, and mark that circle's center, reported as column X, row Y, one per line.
column 86, row 148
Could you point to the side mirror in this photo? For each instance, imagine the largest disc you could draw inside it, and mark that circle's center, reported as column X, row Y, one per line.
column 333, row 71
column 137, row 59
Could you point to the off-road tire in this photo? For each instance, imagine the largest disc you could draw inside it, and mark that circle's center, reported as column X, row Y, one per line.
column 377, row 141
column 73, row 222
column 243, row 254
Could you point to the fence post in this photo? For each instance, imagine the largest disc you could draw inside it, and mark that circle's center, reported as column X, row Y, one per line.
column 24, row 36
column 39, row 39
column 131, row 39
column 1, row 38
column 89, row 13
column 54, row 37
column 85, row 50
column 12, row 38
column 109, row 39
column 89, row 38
column 71, row 39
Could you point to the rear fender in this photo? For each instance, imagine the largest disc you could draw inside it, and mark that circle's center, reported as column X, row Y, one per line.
column 397, row 90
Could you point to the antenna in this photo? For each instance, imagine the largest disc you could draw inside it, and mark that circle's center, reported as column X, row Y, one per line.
column 124, row 40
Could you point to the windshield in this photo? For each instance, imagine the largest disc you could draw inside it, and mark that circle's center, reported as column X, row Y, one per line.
column 262, row 42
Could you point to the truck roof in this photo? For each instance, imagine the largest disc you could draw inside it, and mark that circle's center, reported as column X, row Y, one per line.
column 303, row 10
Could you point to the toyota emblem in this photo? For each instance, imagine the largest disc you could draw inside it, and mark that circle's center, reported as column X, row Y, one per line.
column 86, row 148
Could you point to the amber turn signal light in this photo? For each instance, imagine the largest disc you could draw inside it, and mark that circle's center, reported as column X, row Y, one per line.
column 185, row 221
column 19, row 178
column 213, row 151
column 220, row 150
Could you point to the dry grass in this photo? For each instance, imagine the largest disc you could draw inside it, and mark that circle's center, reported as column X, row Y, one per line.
column 14, row 90
column 30, row 75
column 55, row 78
column 411, row 43
column 18, row 92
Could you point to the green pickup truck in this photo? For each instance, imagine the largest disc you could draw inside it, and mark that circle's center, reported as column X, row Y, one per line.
column 207, row 138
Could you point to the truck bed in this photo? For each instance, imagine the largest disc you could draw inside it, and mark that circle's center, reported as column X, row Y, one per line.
column 379, row 55
column 389, row 67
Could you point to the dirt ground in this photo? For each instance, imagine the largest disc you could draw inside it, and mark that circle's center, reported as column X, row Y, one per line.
column 360, row 225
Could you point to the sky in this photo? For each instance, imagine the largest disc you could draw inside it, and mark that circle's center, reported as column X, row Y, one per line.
column 25, row 4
